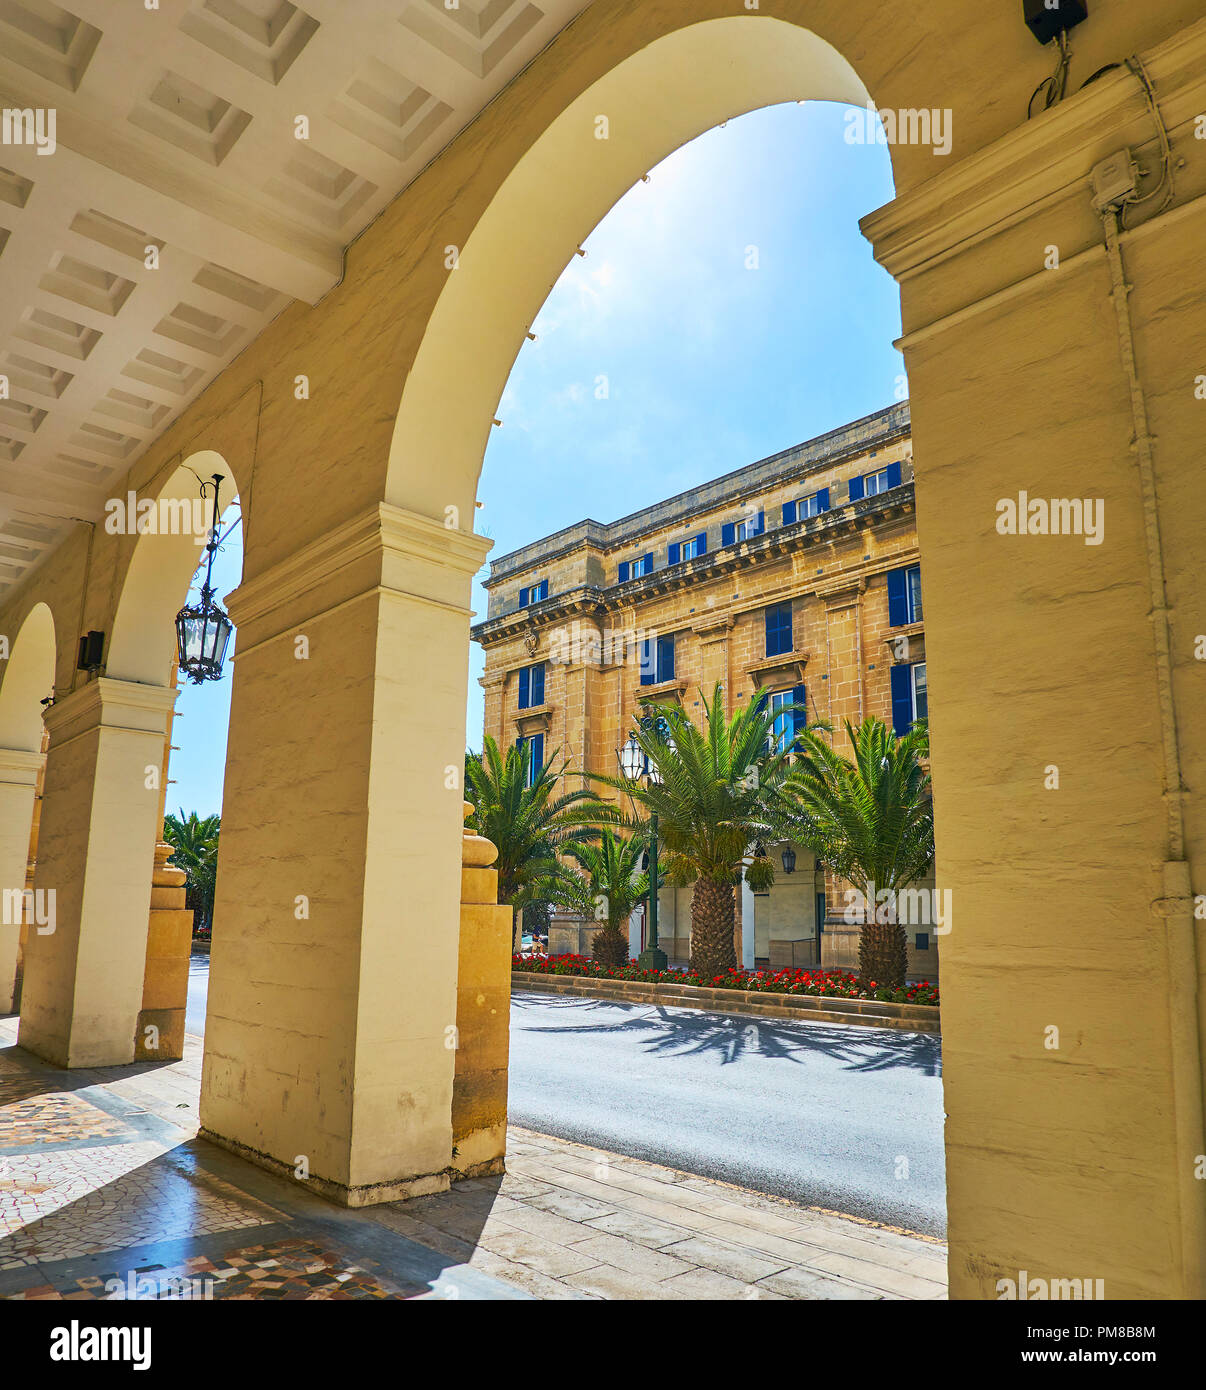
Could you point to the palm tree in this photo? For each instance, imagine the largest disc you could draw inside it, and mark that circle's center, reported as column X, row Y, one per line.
column 609, row 888
column 194, row 841
column 527, row 822
column 716, row 793
column 871, row 820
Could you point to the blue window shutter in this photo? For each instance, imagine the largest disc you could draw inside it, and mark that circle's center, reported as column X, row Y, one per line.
column 898, row 597
column 799, row 721
column 665, row 658
column 761, row 702
column 648, row 670
column 538, row 684
column 537, row 754
column 789, row 513
column 525, row 677
column 856, row 488
column 823, row 499
column 523, row 598
column 673, row 552
column 728, row 533
column 761, row 526
column 647, row 561
column 701, row 543
column 623, row 575
column 902, row 700
column 894, row 474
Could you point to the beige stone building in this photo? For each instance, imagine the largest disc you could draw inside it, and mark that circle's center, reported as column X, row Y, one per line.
column 795, row 579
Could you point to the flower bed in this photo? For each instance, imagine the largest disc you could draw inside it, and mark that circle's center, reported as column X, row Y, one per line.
column 830, row 984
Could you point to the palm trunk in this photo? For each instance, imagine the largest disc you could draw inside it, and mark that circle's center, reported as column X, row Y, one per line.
column 883, row 954
column 610, row 947
column 712, row 928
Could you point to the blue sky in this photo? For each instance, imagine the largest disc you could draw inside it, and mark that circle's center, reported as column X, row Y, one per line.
column 709, row 364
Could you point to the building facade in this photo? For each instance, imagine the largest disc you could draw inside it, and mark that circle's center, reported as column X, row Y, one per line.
column 795, row 579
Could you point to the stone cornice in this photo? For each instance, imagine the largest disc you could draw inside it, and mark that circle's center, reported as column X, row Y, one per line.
column 18, row 767
column 830, row 527
column 828, row 450
column 765, row 671
column 381, row 531
column 113, row 704
column 1041, row 161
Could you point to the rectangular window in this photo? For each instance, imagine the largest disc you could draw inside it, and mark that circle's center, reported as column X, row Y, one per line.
column 778, row 629
column 904, row 596
column 789, row 723
column 692, row 549
column 657, row 660
column 814, row 505
column 531, row 686
column 871, row 484
column 642, row 566
column 749, row 528
column 783, row 729
column 909, row 697
column 921, row 702
column 539, row 591
column 923, row 941
column 532, row 751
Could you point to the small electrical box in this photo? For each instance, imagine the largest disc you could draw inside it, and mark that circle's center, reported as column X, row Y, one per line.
column 1114, row 180
column 1047, row 19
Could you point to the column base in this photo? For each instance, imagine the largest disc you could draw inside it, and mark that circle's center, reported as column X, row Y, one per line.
column 365, row 1195
column 653, row 959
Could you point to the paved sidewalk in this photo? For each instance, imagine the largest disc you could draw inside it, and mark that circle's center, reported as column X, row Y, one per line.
column 103, row 1179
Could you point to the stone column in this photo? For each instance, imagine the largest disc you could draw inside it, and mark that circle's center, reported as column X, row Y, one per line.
column 83, row 980
column 160, row 1035
column 18, row 780
column 483, row 1016
column 333, row 976
column 748, row 949
column 1067, row 709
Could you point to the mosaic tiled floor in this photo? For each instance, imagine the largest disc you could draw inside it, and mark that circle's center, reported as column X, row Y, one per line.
column 58, row 1205
column 282, row 1269
column 31, row 1118
column 106, row 1193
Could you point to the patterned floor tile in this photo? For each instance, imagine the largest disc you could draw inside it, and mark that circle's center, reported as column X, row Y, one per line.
column 30, row 1116
column 294, row 1269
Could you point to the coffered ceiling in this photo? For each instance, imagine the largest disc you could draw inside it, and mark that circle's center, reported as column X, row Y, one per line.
column 174, row 140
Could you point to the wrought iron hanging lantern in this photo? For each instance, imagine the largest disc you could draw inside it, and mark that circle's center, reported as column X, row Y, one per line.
column 203, row 630
column 789, row 860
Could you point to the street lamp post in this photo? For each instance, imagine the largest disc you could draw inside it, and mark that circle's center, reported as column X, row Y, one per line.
column 636, row 767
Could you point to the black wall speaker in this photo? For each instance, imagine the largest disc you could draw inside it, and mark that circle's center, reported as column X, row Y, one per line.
column 1046, row 19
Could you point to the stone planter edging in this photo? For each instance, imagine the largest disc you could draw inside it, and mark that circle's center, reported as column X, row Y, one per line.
column 807, row 1008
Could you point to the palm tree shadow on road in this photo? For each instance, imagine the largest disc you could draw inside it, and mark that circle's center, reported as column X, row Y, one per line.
column 733, row 1036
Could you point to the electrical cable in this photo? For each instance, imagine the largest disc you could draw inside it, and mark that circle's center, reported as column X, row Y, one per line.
column 1057, row 84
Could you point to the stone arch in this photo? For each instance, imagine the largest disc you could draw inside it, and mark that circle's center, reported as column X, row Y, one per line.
column 155, row 584
column 27, row 678
column 658, row 99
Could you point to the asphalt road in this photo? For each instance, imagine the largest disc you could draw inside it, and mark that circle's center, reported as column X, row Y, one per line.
column 817, row 1113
